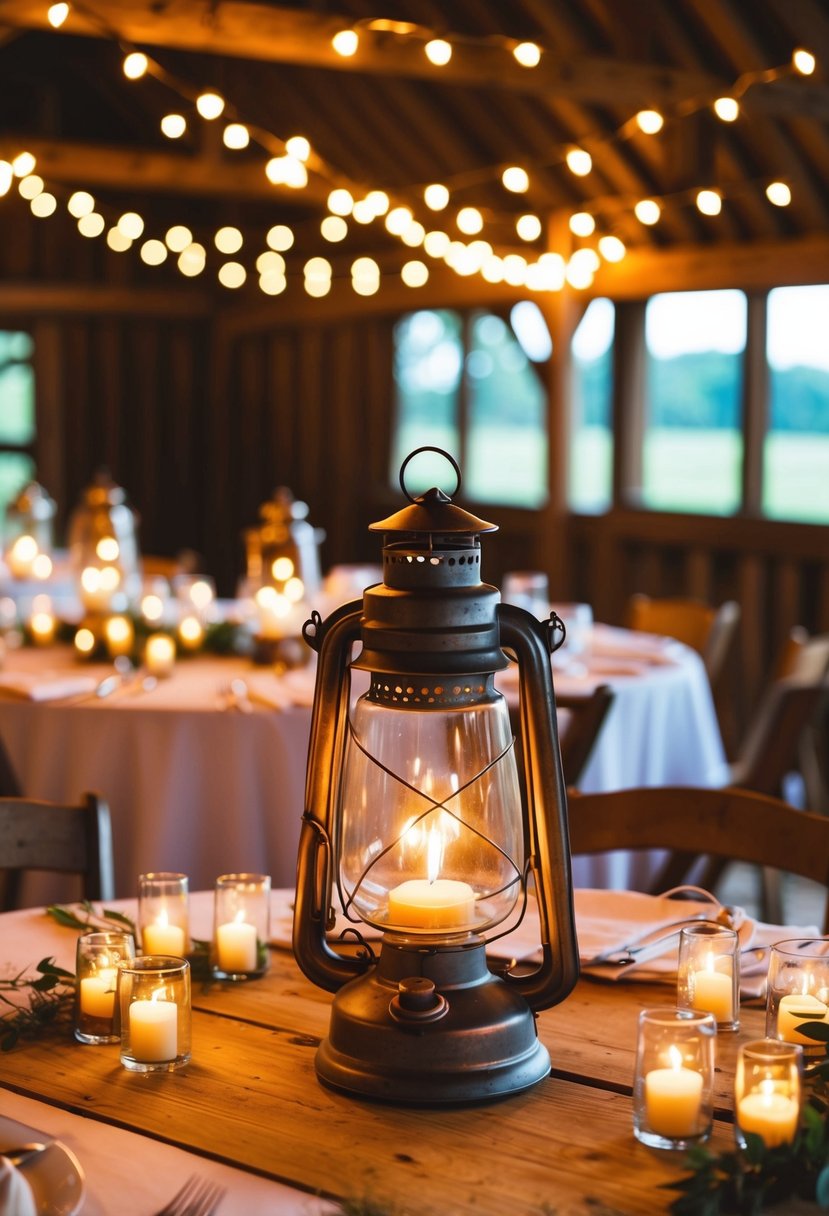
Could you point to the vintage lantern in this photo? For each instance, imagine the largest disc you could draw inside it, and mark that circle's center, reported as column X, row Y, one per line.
column 103, row 547
column 283, row 565
column 414, row 813
column 27, row 533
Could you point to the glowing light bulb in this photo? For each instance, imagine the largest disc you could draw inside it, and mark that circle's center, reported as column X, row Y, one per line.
column 727, row 109
column 515, row 179
column 647, row 211
column 340, row 202
column 579, row 162
column 280, row 238
column 91, row 225
column 334, row 228
column 232, row 274
column 611, row 248
column 135, row 65
column 650, row 121
column 413, row 234
column 131, row 224
column 317, row 268
column 436, row 243
column 804, row 62
column 345, row 43
column 528, row 227
column 398, row 220
column 528, row 54
column 235, row 136
column 438, row 51
column 414, row 274
column 192, row 259
column 378, row 200
column 363, row 212
column 582, row 223
column 173, row 125
column 779, row 194
column 210, row 105
column 80, row 203
column 436, row 197
column 6, row 177
column 153, row 252
column 228, row 240
column 270, row 263
column 23, row 164
column 709, row 202
column 44, row 205
column 298, row 147
column 118, row 241
column 56, row 14
column 178, row 238
column 469, row 220
column 272, row 283
column 30, row 187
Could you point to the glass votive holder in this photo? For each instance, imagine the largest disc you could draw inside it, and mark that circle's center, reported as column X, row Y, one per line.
column 708, row 973
column 767, row 1091
column 673, row 1086
column 97, row 959
column 798, row 990
column 163, row 913
column 241, row 926
column 154, row 1009
column 160, row 654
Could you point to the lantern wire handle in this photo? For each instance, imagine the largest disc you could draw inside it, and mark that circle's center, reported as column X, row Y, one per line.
column 440, row 452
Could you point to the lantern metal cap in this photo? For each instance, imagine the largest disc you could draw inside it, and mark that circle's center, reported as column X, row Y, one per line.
column 33, row 500
column 433, row 511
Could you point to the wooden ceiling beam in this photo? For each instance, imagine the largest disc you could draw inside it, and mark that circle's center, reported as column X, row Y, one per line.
column 242, row 29
column 118, row 168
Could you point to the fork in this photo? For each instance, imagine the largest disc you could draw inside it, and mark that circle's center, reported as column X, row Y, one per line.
column 197, row 1197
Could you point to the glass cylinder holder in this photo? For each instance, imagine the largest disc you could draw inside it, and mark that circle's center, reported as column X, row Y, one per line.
column 798, row 990
column 241, row 926
column 708, row 973
column 673, row 1088
column 97, row 959
column 767, row 1092
column 163, row 913
column 155, row 1013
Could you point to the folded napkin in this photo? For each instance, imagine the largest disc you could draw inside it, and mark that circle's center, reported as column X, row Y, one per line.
column 608, row 642
column 282, row 691
column 49, row 687
column 16, row 1197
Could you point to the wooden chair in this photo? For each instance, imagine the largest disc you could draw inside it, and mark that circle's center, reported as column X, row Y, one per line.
column 64, row 839
column 731, row 824
column 586, row 718
column 708, row 630
column 9, row 784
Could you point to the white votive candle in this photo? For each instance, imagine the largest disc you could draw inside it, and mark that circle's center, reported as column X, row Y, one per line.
column 236, row 946
column 774, row 1116
column 793, row 1011
column 153, row 1030
column 673, row 1097
column 713, row 992
column 163, row 938
column 21, row 556
column 160, row 654
column 98, row 994
column 442, row 904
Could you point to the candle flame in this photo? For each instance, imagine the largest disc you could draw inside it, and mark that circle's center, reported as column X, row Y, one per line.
column 675, row 1056
column 434, row 856
column 162, row 920
column 766, row 1090
column 239, row 918
column 158, row 994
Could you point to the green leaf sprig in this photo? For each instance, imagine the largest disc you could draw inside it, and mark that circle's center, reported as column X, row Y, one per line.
column 48, row 1005
column 746, row 1182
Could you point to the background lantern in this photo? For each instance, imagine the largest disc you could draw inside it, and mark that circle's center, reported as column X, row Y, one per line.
column 27, row 533
column 284, row 567
column 415, row 813
column 103, row 547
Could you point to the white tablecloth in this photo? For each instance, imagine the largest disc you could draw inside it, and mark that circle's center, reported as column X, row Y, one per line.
column 207, row 790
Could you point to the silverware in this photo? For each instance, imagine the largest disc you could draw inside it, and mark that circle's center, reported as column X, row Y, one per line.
column 647, row 945
column 197, row 1197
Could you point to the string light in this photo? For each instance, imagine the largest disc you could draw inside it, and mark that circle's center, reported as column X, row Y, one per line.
column 528, row 227
column 56, row 14
column 709, row 202
column 379, row 201
column 80, row 203
column 345, row 43
column 232, row 274
column 228, row 240
column 270, row 262
column 173, row 125
column 804, row 62
column 362, row 212
column 727, row 109
column 582, row 223
column 235, row 136
column 647, row 211
column 44, row 205
column 611, row 248
column 438, row 51
column 131, row 224
column 6, row 177
column 779, row 194
column 23, row 164
column 650, row 121
column 414, row 274
column 178, row 238
column 528, row 54
column 135, row 65
column 515, row 179
column 340, row 202
column 210, row 105
column 280, row 238
column 398, row 220
column 469, row 220
column 192, row 259
column 436, row 243
column 413, row 234
column 30, row 187
column 436, row 197
column 91, row 225
column 579, row 162
column 118, row 241
column 153, row 252
column 298, row 147
column 334, row 228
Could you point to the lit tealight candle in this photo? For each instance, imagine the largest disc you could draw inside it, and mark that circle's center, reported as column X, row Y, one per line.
column 770, row 1114
column 98, row 993
column 191, row 632
column 120, row 636
column 160, row 654
column 236, row 945
column 21, row 557
column 442, row 904
column 673, row 1098
column 793, row 1011
column 42, row 622
column 160, row 937
column 712, row 991
column 153, row 1029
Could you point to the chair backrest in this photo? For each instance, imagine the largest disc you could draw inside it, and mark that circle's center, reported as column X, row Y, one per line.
column 770, row 746
column 586, row 715
column 736, row 824
column 804, row 657
column 9, row 784
column 75, row 839
column 707, row 629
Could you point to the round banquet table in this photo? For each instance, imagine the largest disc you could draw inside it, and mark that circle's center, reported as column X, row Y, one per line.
column 199, row 787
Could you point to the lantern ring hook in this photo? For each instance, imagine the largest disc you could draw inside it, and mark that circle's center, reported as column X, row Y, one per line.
column 428, row 448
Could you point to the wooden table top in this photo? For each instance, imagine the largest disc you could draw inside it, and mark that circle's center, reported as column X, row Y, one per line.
column 250, row 1097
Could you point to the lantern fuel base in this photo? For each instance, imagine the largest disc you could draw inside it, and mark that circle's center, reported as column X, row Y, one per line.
column 414, row 812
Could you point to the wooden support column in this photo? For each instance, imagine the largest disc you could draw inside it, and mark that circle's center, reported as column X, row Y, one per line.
column 629, row 364
column 756, row 404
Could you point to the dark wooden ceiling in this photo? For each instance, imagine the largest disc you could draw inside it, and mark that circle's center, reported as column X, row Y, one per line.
column 388, row 119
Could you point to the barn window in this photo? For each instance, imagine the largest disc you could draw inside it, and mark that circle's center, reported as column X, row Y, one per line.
column 17, row 413
column 591, row 426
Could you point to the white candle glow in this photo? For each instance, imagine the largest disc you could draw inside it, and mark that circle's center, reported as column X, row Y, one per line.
column 43, row 626
column 432, row 903
column 153, row 1028
column 673, row 1098
column 98, row 993
column 120, row 635
column 770, row 1114
column 160, row 654
column 712, row 991
column 21, row 557
column 236, row 945
column 793, row 1011
column 161, row 937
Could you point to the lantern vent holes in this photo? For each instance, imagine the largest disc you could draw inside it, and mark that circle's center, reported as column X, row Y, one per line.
column 465, row 559
column 426, row 691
